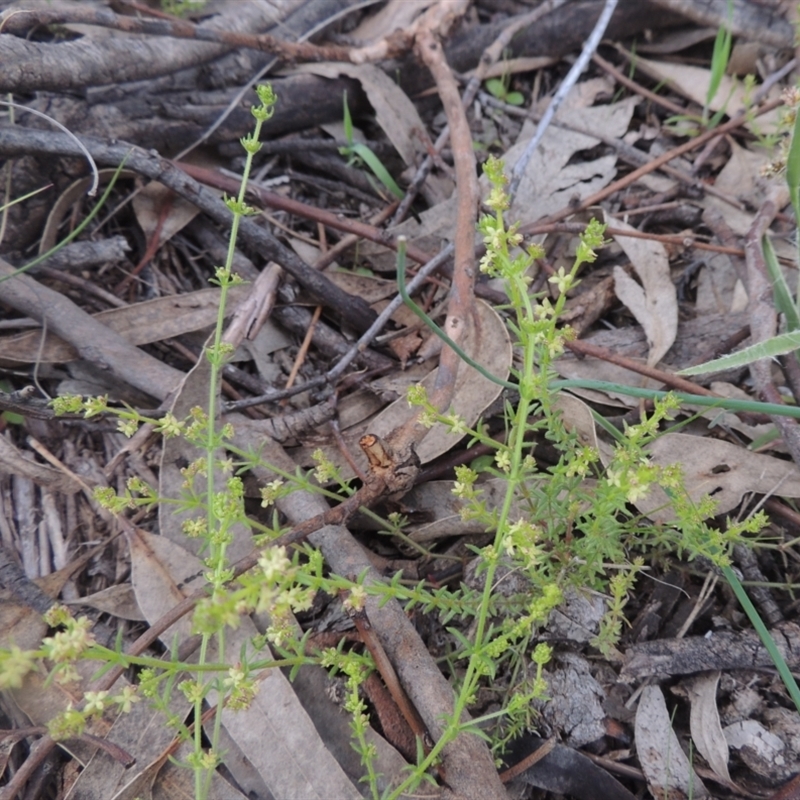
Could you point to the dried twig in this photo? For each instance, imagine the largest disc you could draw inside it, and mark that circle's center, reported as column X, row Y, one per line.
column 20, row 141
column 19, row 21
column 489, row 57
column 461, row 301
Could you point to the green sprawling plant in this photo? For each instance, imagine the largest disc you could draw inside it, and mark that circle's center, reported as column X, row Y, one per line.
column 180, row 8
column 358, row 152
column 501, row 89
column 719, row 63
column 568, row 525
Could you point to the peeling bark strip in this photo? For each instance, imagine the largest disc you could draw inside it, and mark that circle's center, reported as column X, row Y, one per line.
column 722, row 650
column 30, row 142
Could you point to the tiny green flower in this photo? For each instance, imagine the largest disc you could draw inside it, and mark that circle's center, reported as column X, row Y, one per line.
column 127, row 427
column 562, row 280
column 67, row 404
column 95, row 702
column 169, row 425
column 126, row 698
column 274, row 563
column 503, row 460
column 95, row 405
column 67, row 725
column 357, row 598
column 417, row 395
column 271, row 492
column 15, row 664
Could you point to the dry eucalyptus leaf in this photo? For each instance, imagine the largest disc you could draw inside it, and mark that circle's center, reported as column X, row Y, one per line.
column 704, row 722
column 693, row 82
column 118, row 600
column 394, row 112
column 655, row 302
column 396, row 14
column 720, row 469
column 551, row 179
column 159, row 210
column 162, row 575
column 20, row 625
column 663, row 762
column 13, row 462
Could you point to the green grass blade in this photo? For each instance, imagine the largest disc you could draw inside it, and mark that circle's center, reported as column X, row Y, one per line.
column 727, row 403
column 793, row 168
column 755, row 619
column 783, row 296
column 24, row 197
column 348, row 121
column 78, row 230
column 381, row 173
column 777, row 346
column 719, row 58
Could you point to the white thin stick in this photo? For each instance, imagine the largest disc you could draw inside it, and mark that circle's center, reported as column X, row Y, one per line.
column 572, row 78
column 95, row 175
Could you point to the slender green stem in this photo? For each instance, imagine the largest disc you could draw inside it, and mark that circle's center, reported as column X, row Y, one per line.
column 75, row 233
column 729, row 404
column 401, row 287
column 764, row 634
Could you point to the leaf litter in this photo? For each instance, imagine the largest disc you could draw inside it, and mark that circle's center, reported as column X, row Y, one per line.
column 651, row 325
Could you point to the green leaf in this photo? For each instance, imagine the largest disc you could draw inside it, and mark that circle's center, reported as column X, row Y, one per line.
column 381, row 173
column 12, row 418
column 764, row 634
column 777, row 346
column 720, row 57
column 496, row 87
column 348, row 121
column 515, row 98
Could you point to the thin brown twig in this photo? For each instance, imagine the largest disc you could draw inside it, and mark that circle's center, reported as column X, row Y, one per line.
column 461, row 306
column 681, row 239
column 304, row 347
column 635, row 87
column 653, row 165
column 674, row 381
column 264, row 197
column 19, row 21
column 390, row 679
column 489, row 57
column 535, row 757
column 39, row 751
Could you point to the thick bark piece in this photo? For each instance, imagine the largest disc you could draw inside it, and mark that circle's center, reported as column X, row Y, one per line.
column 753, row 21
column 722, row 650
column 88, row 61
